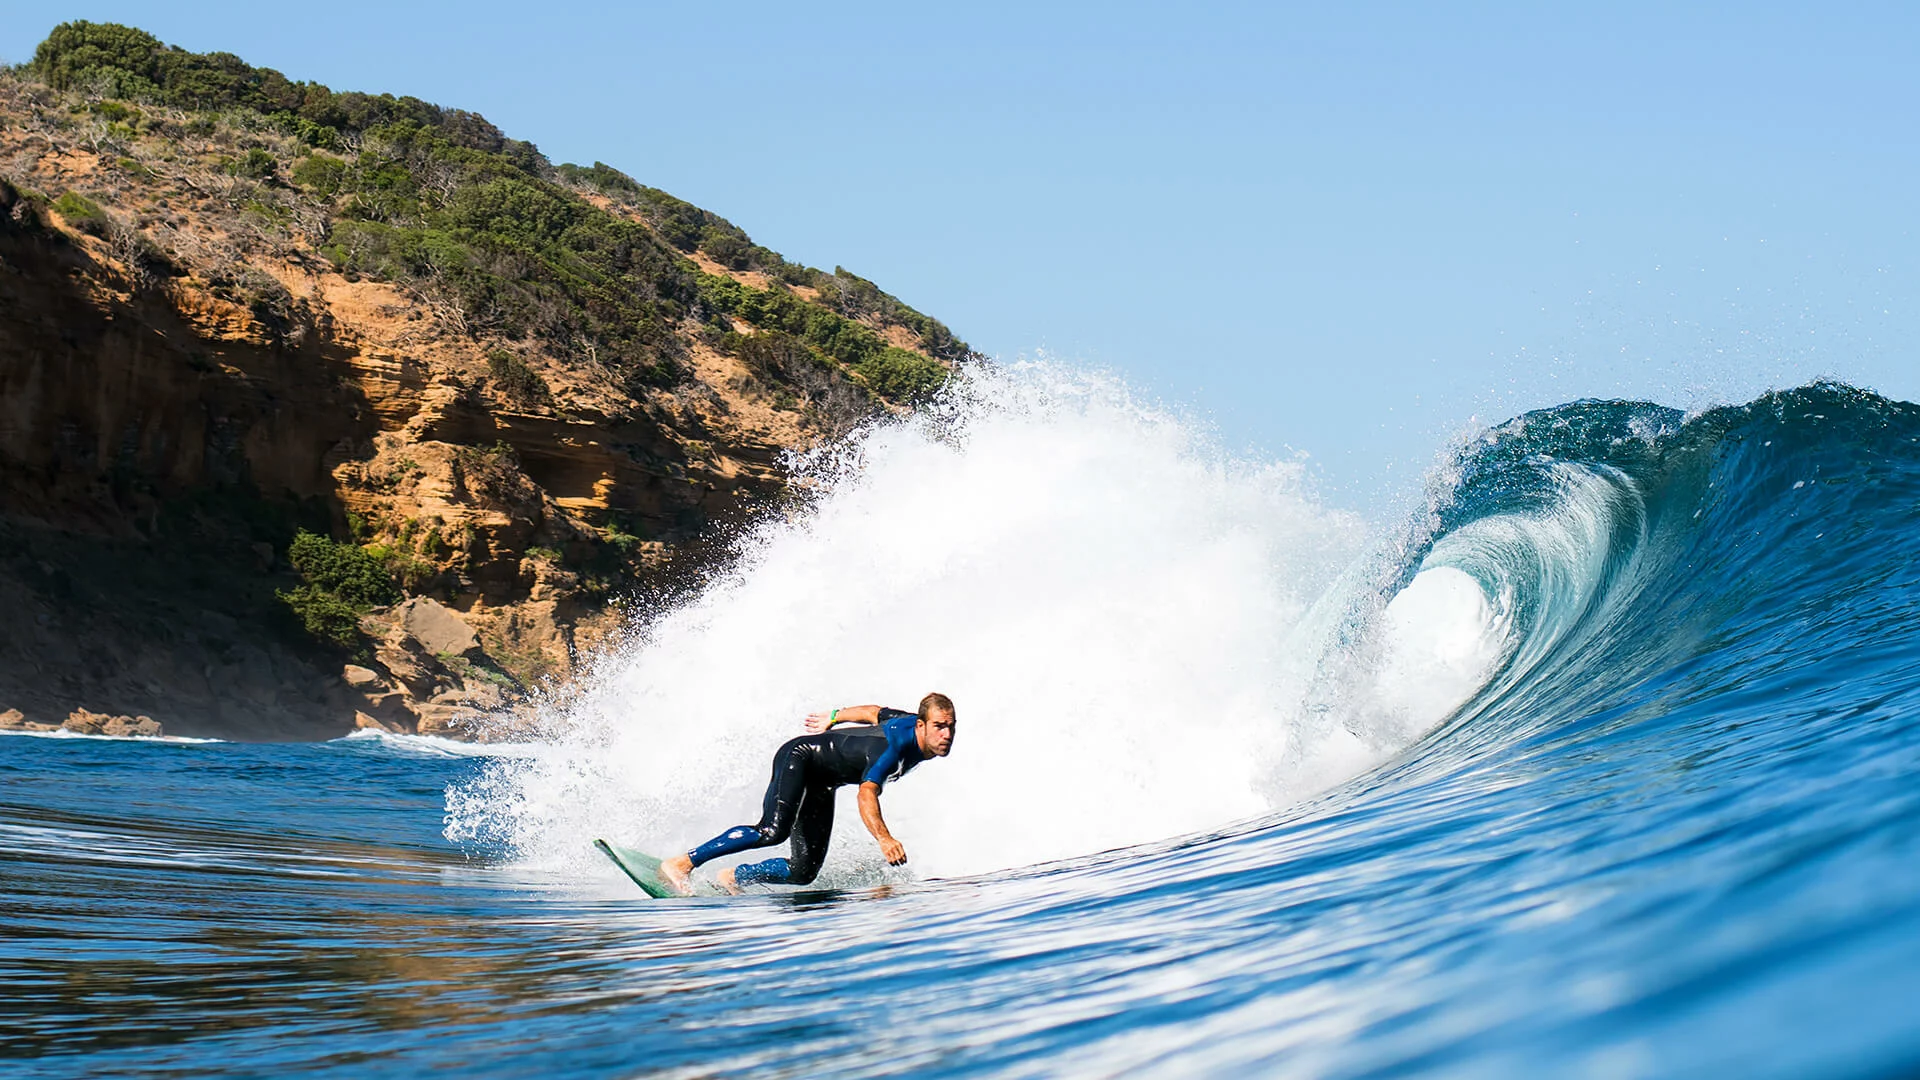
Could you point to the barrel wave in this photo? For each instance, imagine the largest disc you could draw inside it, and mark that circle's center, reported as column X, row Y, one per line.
column 1604, row 763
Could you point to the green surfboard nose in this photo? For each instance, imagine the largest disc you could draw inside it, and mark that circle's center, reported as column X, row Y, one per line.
column 643, row 868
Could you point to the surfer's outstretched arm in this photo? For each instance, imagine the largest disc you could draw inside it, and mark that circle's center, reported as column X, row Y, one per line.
column 894, row 851
column 852, row 714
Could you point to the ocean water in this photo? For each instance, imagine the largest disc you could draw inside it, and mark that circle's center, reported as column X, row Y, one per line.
column 1602, row 763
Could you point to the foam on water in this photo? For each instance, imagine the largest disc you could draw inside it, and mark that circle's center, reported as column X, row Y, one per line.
column 62, row 733
column 1128, row 620
column 435, row 745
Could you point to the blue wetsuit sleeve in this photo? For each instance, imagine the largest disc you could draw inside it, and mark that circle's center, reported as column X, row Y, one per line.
column 878, row 774
column 900, row 735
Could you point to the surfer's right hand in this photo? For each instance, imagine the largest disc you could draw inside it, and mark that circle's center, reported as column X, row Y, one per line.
column 893, row 851
column 819, row 722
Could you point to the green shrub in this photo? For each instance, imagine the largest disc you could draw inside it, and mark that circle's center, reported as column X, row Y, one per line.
column 856, row 297
column 604, row 177
column 342, row 583
column 344, row 569
column 774, row 355
column 82, row 213
column 324, row 615
column 902, row 375
column 320, row 174
column 772, row 309
column 117, row 59
column 516, row 379
column 257, row 165
column 318, row 136
column 622, row 540
column 730, row 249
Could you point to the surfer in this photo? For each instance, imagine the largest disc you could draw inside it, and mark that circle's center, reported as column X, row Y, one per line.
column 885, row 744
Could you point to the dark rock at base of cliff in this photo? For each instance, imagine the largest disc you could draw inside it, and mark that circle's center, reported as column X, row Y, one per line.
column 176, row 625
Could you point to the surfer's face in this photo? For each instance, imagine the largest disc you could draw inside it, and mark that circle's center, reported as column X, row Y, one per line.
column 936, row 734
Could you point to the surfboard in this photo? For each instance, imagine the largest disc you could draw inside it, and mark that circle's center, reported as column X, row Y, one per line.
column 643, row 868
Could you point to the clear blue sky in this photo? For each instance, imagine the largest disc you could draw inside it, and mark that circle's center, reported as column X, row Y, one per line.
column 1338, row 229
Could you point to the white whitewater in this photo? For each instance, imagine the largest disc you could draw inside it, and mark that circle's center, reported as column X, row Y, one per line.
column 1129, row 622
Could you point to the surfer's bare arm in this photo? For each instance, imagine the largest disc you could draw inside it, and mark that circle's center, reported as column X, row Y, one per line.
column 894, row 852
column 852, row 714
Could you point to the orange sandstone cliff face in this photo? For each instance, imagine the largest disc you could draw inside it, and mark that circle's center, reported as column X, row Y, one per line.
column 180, row 390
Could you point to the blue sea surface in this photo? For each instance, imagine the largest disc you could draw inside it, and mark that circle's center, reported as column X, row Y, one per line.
column 1677, row 833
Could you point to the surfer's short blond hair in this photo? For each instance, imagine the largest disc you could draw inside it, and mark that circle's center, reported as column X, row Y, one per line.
column 933, row 703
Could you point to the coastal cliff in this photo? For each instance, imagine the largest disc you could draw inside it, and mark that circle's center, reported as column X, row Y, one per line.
column 329, row 409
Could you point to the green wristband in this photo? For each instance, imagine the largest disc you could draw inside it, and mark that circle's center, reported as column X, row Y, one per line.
column 832, row 717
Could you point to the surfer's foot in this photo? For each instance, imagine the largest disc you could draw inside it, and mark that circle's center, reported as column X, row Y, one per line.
column 677, row 872
column 725, row 878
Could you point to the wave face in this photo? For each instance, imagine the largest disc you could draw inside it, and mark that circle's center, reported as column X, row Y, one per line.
column 1603, row 765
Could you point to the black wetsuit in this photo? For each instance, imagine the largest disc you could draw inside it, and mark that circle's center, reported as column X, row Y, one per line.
column 799, row 800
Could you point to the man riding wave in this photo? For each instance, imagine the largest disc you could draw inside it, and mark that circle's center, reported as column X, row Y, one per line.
column 884, row 744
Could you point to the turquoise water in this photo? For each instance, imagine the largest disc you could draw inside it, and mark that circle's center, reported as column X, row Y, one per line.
column 1675, row 833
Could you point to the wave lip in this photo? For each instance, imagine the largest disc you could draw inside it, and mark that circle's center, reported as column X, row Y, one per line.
column 1631, row 543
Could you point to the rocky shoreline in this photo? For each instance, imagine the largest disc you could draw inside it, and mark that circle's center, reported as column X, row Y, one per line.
column 429, row 676
column 82, row 722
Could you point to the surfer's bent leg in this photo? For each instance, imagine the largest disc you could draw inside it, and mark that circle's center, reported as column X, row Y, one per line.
column 812, row 830
column 777, row 812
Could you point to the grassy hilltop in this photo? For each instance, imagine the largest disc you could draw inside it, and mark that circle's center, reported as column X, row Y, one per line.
column 289, row 370
column 563, row 258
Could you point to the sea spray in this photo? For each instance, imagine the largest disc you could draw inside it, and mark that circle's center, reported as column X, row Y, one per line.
column 1128, row 620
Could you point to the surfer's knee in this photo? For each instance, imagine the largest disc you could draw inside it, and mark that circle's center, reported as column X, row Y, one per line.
column 745, row 834
column 738, row 838
column 753, row 836
column 802, row 871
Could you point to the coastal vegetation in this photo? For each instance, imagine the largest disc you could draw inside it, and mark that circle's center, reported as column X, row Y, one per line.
column 304, row 361
column 580, row 262
column 341, row 583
